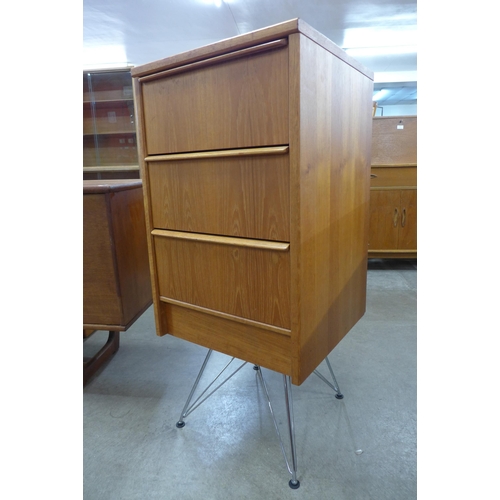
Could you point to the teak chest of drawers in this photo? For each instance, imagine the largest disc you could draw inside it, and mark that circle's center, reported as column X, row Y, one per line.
column 255, row 158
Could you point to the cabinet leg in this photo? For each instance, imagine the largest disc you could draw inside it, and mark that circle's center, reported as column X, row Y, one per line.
column 90, row 366
column 180, row 423
column 188, row 407
column 334, row 385
column 294, row 483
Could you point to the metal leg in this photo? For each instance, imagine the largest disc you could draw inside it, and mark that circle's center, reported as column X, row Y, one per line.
column 293, row 483
column 188, row 409
column 336, row 388
column 335, row 385
column 180, row 423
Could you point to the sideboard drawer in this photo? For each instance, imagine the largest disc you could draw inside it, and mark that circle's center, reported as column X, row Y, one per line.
column 235, row 276
column 247, row 196
column 235, row 103
column 394, row 176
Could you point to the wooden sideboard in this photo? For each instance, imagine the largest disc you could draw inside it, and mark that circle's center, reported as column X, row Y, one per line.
column 116, row 280
column 255, row 157
column 393, row 204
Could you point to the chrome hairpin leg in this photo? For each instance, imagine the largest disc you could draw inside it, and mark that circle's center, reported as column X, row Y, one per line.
column 188, row 409
column 335, row 385
column 294, row 483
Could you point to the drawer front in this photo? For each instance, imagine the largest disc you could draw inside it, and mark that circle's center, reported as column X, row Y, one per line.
column 251, row 283
column 247, row 196
column 394, row 176
column 236, row 103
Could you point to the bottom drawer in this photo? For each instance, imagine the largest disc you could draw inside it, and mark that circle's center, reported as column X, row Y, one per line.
column 238, row 277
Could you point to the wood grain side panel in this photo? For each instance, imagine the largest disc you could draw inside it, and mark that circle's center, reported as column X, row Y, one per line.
column 247, row 282
column 241, row 103
column 261, row 347
column 129, row 230
column 247, row 196
column 101, row 292
column 295, row 200
column 335, row 139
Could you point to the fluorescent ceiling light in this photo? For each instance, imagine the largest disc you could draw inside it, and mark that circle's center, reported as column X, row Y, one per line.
column 380, row 94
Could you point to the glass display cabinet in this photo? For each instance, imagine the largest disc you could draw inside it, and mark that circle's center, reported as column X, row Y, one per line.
column 109, row 132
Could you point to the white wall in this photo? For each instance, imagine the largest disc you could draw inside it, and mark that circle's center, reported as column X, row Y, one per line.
column 397, row 110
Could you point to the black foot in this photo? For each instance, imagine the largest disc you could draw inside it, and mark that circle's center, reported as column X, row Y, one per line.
column 180, row 424
column 339, row 396
column 294, row 485
column 255, row 367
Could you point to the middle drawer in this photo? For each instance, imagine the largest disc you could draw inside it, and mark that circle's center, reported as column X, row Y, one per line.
column 244, row 193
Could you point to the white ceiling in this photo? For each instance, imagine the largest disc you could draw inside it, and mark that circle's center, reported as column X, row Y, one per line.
column 381, row 34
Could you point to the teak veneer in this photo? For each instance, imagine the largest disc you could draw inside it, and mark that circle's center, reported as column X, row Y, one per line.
column 255, row 158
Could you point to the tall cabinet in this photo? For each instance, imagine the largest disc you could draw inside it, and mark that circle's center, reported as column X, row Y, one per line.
column 255, row 159
column 393, row 204
column 109, row 128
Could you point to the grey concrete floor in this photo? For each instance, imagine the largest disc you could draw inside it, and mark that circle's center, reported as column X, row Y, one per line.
column 228, row 448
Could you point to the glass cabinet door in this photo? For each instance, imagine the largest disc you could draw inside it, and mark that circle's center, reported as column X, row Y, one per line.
column 109, row 134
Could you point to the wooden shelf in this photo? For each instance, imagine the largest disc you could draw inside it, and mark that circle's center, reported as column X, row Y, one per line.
column 111, row 167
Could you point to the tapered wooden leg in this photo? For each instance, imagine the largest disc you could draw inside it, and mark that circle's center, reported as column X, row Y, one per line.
column 91, row 365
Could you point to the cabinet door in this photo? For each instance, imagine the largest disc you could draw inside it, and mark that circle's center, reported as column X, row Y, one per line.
column 408, row 224
column 385, row 213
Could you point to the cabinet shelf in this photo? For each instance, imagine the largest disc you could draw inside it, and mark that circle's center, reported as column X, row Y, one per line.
column 114, row 132
column 109, row 101
column 121, row 168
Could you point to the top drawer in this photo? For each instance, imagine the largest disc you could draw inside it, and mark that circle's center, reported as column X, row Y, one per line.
column 233, row 101
column 394, row 177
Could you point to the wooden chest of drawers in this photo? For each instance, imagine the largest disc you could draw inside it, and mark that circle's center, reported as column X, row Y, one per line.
column 255, row 158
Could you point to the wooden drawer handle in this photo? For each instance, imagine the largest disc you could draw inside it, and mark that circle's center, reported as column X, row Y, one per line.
column 275, row 44
column 223, row 240
column 373, row 176
column 395, row 218
column 403, row 218
column 271, row 150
